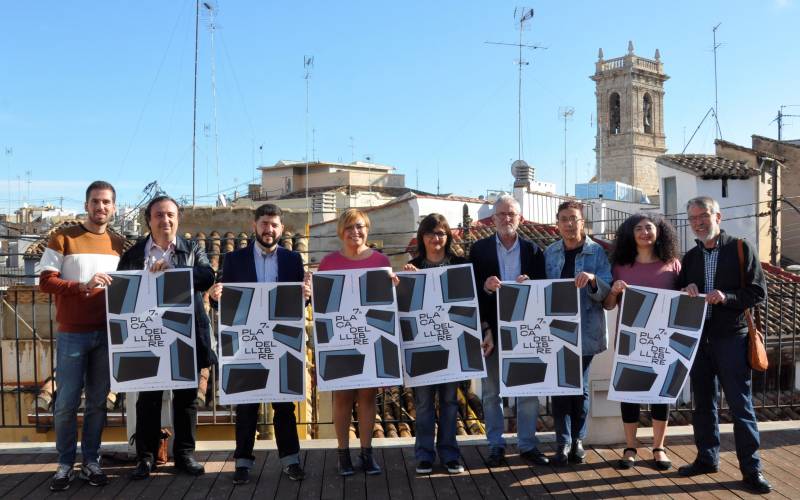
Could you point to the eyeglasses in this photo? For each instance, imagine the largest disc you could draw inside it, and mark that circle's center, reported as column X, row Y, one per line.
column 355, row 227
column 697, row 218
column 436, row 234
column 570, row 220
column 507, row 215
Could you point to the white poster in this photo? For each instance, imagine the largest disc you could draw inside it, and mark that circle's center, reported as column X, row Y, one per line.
column 440, row 326
column 539, row 334
column 657, row 339
column 261, row 346
column 151, row 337
column 356, row 331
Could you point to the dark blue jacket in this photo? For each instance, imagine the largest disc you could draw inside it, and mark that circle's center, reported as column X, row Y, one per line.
column 239, row 266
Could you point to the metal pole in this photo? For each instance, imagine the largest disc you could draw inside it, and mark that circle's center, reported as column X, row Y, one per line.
column 194, row 107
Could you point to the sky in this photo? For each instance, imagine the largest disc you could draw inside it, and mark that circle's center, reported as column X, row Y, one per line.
column 104, row 90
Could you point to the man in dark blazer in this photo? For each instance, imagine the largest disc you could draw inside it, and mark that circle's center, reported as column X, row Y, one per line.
column 263, row 260
column 504, row 256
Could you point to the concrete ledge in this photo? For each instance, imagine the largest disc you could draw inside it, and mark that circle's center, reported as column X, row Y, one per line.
column 315, row 444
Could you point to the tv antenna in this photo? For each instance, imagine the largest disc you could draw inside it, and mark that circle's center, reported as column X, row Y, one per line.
column 716, row 98
column 212, row 27
column 308, row 65
column 566, row 113
column 523, row 14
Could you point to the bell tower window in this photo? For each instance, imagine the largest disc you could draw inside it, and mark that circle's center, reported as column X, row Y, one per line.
column 614, row 114
column 647, row 114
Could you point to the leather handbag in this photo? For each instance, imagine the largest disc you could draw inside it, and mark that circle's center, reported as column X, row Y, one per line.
column 756, row 352
column 163, row 446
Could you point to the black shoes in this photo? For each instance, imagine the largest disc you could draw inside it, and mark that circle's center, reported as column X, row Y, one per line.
column 576, row 453
column 454, row 467
column 295, row 472
column 626, row 462
column 697, row 468
column 535, row 456
column 93, row 474
column 661, row 464
column 368, row 462
column 241, row 475
column 757, row 483
column 143, row 470
column 345, row 465
column 561, row 457
column 497, row 457
column 190, row 466
column 424, row 467
column 62, row 478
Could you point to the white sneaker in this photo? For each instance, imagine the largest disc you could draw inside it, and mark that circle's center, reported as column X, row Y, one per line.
column 62, row 478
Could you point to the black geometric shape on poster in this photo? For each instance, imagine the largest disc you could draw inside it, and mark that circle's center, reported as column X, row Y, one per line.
column 235, row 305
column 178, row 321
column 382, row 320
column 457, row 284
column 410, row 292
column 569, row 368
column 182, row 359
column 682, row 344
column 340, row 364
column 636, row 307
column 523, row 371
column 229, row 342
column 174, row 288
column 117, row 331
column 134, row 365
column 686, row 313
column 327, row 292
column 122, row 293
column 676, row 376
column 464, row 315
column 565, row 330
column 513, row 301
column 408, row 328
column 376, row 288
column 244, row 377
column 627, row 343
column 508, row 338
column 633, row 378
column 560, row 299
column 286, row 303
column 290, row 336
column 470, row 353
column 424, row 360
column 291, row 374
column 387, row 359
column 323, row 328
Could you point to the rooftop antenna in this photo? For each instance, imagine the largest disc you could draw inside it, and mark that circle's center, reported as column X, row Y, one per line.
column 308, row 65
column 212, row 26
column 523, row 14
column 566, row 113
column 716, row 99
column 352, row 149
column 194, row 106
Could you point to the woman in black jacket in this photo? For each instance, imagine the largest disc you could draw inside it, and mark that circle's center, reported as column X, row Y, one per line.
column 434, row 249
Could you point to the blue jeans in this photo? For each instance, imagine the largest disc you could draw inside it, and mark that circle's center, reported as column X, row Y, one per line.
column 81, row 363
column 446, row 443
column 527, row 411
column 570, row 412
column 724, row 361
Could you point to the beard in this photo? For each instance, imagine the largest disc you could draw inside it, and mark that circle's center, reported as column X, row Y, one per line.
column 268, row 246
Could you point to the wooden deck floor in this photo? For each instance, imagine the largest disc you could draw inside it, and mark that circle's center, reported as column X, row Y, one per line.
column 28, row 476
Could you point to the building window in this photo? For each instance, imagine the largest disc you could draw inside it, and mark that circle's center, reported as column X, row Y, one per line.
column 670, row 196
column 647, row 114
column 614, row 114
column 724, row 188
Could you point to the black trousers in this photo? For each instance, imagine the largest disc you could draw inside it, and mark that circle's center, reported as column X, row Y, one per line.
column 148, row 423
column 285, row 429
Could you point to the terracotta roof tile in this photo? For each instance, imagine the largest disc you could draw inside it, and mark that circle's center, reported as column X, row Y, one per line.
column 709, row 166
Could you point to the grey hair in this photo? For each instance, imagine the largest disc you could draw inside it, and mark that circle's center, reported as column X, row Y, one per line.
column 507, row 199
column 705, row 202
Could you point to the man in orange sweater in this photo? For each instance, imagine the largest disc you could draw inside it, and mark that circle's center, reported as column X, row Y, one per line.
column 74, row 268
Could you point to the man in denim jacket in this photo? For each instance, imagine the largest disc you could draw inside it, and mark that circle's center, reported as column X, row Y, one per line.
column 577, row 256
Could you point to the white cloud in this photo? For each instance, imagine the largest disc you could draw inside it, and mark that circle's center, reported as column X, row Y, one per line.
column 782, row 3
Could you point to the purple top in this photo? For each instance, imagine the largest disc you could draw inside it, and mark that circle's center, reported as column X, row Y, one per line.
column 654, row 274
column 335, row 261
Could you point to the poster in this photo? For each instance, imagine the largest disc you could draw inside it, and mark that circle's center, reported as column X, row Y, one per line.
column 356, row 331
column 439, row 326
column 539, row 334
column 657, row 339
column 261, row 348
column 151, row 337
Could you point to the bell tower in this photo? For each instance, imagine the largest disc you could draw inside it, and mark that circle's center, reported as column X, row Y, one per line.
column 630, row 119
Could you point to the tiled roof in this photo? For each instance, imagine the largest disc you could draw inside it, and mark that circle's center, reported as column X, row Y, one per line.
column 388, row 190
column 36, row 249
column 709, row 166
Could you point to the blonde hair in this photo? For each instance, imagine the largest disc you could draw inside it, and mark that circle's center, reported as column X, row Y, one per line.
column 349, row 217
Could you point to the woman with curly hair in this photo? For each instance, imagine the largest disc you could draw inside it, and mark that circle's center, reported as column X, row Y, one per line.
column 645, row 254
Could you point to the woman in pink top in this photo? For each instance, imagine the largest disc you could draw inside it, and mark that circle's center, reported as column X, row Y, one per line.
column 353, row 228
column 645, row 254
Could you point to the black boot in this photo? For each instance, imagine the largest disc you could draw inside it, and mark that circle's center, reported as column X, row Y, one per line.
column 368, row 463
column 345, row 464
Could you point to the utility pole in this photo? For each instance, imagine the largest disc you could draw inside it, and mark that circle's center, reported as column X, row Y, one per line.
column 773, row 250
column 308, row 65
column 194, row 106
column 566, row 113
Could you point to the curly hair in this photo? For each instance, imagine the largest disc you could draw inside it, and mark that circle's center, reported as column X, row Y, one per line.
column 666, row 246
